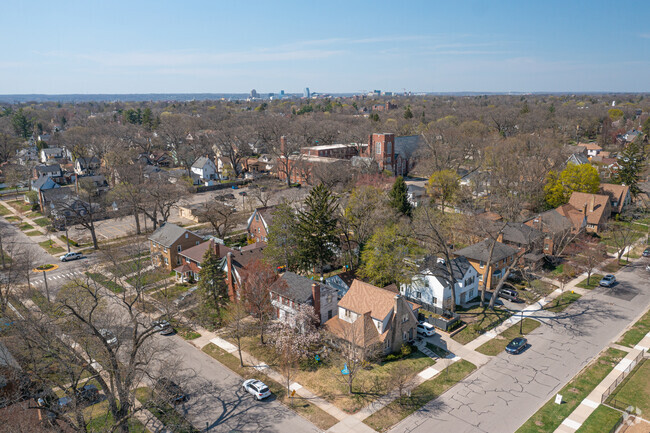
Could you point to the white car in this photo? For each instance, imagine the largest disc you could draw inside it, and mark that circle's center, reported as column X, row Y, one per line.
column 426, row 329
column 257, row 388
column 71, row 256
column 108, row 336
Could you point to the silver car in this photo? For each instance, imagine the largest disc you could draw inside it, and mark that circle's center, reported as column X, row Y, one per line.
column 608, row 280
column 257, row 388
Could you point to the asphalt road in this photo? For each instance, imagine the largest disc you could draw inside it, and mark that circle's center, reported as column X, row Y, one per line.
column 505, row 392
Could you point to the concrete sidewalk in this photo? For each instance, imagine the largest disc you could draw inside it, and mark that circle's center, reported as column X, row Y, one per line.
column 593, row 400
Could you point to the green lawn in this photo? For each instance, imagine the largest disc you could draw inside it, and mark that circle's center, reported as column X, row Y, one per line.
column 149, row 277
column 43, row 222
column 25, row 226
column 562, row 302
column 311, row 412
column 603, row 419
column 479, row 320
column 4, row 211
column 165, row 412
column 399, row 409
column 171, row 293
column 634, row 390
column 20, row 206
column 551, row 415
column 499, row 343
column 12, row 218
column 593, row 282
column 106, row 282
column 34, row 233
column 51, row 247
column 636, row 333
column 438, row 350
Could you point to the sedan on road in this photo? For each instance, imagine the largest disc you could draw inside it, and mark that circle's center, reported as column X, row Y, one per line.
column 516, row 345
column 163, row 327
column 608, row 280
column 71, row 256
column 257, row 388
column 426, row 329
column 646, row 252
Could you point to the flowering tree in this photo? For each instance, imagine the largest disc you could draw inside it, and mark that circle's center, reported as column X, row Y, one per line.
column 293, row 339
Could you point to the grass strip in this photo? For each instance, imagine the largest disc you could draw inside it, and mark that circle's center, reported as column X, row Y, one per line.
column 593, row 282
column 550, row 416
column 603, row 419
column 402, row 407
column 109, row 284
column 636, row 333
column 562, row 302
column 498, row 344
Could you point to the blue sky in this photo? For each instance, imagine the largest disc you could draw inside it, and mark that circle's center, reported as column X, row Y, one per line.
column 188, row 46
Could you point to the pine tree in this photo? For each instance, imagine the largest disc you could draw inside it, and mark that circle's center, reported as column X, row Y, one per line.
column 631, row 164
column 282, row 243
column 212, row 280
column 317, row 229
column 399, row 198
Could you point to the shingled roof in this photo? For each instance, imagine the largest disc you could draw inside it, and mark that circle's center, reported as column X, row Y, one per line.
column 480, row 252
column 167, row 234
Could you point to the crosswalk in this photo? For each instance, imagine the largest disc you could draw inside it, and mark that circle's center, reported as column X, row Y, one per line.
column 58, row 277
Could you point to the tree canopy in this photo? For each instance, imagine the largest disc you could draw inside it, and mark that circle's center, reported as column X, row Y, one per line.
column 399, row 197
column 575, row 177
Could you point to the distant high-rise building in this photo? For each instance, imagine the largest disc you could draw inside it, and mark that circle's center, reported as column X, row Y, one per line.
column 254, row 93
column 307, row 94
column 281, row 92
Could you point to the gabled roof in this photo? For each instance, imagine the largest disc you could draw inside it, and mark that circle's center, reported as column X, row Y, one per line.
column 167, row 234
column 591, row 146
column 266, row 213
column 44, row 181
column 48, row 168
column 52, row 150
column 363, row 331
column 596, row 205
column 297, row 287
column 579, row 159
column 363, row 297
column 481, row 251
column 201, row 162
column 197, row 252
column 248, row 254
column 85, row 162
column 551, row 221
column 459, row 267
column 616, row 193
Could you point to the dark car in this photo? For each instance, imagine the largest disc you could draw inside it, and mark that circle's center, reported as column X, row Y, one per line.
column 510, row 295
column 646, row 252
column 516, row 345
column 242, row 193
column 230, row 196
column 88, row 393
column 169, row 390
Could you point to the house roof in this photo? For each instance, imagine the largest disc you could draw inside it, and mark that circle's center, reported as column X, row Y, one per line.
column 521, row 234
column 201, row 162
column 167, row 234
column 363, row 297
column 579, row 158
column 266, row 213
column 52, row 151
column 591, row 146
column 48, row 168
column 41, row 181
column 85, row 162
column 575, row 216
column 616, row 193
column 362, row 332
column 552, row 221
column 481, row 251
column 248, row 254
column 596, row 205
column 197, row 252
column 459, row 267
column 297, row 287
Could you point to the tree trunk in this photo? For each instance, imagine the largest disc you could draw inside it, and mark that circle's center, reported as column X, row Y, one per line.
column 495, row 294
column 241, row 359
column 92, row 234
column 136, row 215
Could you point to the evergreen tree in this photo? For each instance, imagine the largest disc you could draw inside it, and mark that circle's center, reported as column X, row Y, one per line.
column 317, row 229
column 399, row 198
column 212, row 281
column 631, row 163
column 22, row 124
column 408, row 114
column 282, row 242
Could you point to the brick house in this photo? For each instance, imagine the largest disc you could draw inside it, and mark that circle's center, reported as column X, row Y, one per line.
column 368, row 315
column 167, row 242
column 595, row 207
column 192, row 257
column 619, row 196
column 259, row 222
column 556, row 226
column 291, row 290
column 235, row 265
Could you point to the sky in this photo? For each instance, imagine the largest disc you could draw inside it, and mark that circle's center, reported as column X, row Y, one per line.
column 331, row 46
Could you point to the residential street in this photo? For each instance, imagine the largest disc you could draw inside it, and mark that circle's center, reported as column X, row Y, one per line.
column 505, row 392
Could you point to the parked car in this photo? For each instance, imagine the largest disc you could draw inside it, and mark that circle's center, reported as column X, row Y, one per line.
column 516, row 345
column 109, row 336
column 426, row 329
column 257, row 388
column 510, row 295
column 88, row 393
column 71, row 256
column 170, row 391
column 163, row 327
column 646, row 252
column 608, row 280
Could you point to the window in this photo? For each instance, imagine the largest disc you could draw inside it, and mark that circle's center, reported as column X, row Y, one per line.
column 166, row 261
column 378, row 148
column 257, row 217
column 179, row 248
column 329, row 299
column 187, row 235
column 178, row 260
column 197, row 242
column 418, row 295
column 388, row 159
column 405, row 336
column 482, row 264
column 347, row 313
column 405, row 318
column 435, row 301
column 329, row 314
column 165, row 250
column 480, row 277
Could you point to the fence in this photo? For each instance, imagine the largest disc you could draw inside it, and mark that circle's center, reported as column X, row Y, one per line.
column 618, row 423
column 446, row 320
column 622, row 376
column 219, row 186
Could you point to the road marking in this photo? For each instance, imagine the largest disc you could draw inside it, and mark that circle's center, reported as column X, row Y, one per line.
column 571, row 424
column 590, row 403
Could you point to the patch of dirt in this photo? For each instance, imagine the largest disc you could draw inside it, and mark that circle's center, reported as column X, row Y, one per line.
column 574, row 390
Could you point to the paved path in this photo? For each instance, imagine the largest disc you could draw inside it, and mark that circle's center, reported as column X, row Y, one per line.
column 518, row 385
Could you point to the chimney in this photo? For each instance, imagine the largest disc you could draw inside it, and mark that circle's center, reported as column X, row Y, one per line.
column 283, row 144
column 584, row 210
column 315, row 293
column 592, row 203
column 229, row 276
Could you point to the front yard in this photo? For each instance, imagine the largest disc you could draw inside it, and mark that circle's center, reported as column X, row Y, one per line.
column 636, row 333
column 51, row 247
column 402, row 407
column 479, row 320
column 498, row 344
column 592, row 283
column 634, row 390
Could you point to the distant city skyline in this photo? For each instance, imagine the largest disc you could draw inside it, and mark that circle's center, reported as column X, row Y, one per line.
column 201, row 46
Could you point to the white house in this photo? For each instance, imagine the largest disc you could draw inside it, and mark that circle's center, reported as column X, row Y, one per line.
column 52, row 154
column 431, row 286
column 205, row 168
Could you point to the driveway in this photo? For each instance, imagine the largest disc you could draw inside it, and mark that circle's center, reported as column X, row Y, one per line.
column 509, row 389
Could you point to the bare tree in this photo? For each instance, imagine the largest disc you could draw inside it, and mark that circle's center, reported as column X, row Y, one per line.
column 590, row 255
column 222, row 218
column 264, row 190
column 236, row 326
column 256, row 280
